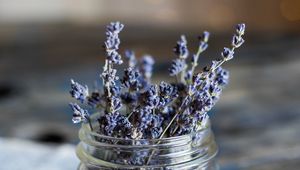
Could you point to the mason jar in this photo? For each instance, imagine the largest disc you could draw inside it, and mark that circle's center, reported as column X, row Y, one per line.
column 195, row 151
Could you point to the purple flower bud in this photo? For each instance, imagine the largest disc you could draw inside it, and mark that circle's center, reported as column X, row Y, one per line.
column 150, row 97
column 79, row 91
column 114, row 27
column 166, row 89
column 131, row 79
column 222, row 76
column 240, row 28
column 204, row 37
column 237, row 41
column 130, row 56
column 203, row 46
column 177, row 66
column 79, row 115
column 112, row 42
column 147, row 66
column 227, row 54
column 115, row 58
column 181, row 48
column 116, row 104
column 188, row 75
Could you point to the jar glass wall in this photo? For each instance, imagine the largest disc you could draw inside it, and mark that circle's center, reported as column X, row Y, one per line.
column 188, row 152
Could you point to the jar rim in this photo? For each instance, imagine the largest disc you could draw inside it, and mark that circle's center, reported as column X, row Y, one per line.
column 86, row 128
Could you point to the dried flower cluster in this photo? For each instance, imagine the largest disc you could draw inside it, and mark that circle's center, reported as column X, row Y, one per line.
column 135, row 108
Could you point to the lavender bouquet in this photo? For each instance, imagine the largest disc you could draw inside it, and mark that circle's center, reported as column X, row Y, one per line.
column 132, row 107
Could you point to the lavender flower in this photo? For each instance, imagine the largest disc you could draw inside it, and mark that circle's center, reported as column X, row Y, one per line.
column 203, row 41
column 181, row 48
column 114, row 103
column 130, row 56
column 154, row 111
column 240, row 29
column 79, row 114
column 112, row 42
column 176, row 67
column 147, row 66
column 227, row 54
column 150, row 97
column 147, row 123
column 203, row 45
column 109, row 76
column 131, row 79
column 115, row 57
column 79, row 91
column 108, row 122
column 222, row 76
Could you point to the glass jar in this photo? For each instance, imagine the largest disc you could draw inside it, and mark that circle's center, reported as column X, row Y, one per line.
column 195, row 151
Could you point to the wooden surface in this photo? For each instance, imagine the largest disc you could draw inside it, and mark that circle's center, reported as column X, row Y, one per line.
column 256, row 123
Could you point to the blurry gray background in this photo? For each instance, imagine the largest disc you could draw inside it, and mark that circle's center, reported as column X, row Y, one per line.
column 45, row 43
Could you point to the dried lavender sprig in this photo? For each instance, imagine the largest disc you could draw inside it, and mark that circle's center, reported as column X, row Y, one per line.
column 80, row 115
column 79, row 91
column 112, row 42
column 227, row 54
column 147, row 63
column 179, row 65
column 181, row 49
column 240, row 29
column 113, row 57
column 211, row 70
column 237, row 41
column 202, row 47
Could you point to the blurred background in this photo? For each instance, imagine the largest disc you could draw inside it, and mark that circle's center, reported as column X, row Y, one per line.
column 45, row 43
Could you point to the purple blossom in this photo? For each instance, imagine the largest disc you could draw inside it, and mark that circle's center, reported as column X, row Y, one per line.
column 237, row 41
column 150, row 97
column 188, row 75
column 108, row 122
column 205, row 36
column 177, row 66
column 167, row 93
column 202, row 102
column 147, row 63
column 240, row 29
column 185, row 124
column 227, row 54
column 114, row 103
column 114, row 27
column 130, row 56
column 166, row 89
column 151, row 108
column 79, row 114
column 181, row 48
column 115, row 124
column 203, row 41
column 115, row 58
column 109, row 75
column 222, row 76
column 112, row 42
column 79, row 91
column 147, row 122
column 131, row 79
